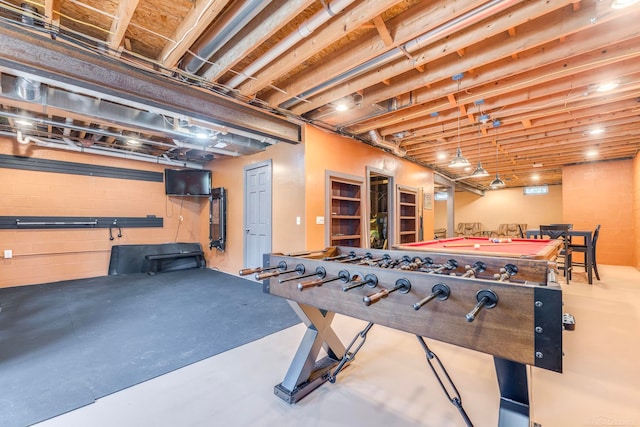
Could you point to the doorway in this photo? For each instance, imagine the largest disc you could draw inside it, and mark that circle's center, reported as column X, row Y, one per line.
column 257, row 212
column 380, row 212
column 444, row 219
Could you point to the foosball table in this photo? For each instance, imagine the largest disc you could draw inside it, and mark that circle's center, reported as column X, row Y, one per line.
column 510, row 308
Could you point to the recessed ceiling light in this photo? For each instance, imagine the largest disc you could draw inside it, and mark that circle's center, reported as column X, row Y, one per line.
column 442, row 156
column 596, row 131
column 621, row 4
column 535, row 177
column 591, row 153
column 23, row 122
column 133, row 142
column 606, row 86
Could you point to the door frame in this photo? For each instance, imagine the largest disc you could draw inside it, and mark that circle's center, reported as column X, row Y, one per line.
column 390, row 204
column 269, row 164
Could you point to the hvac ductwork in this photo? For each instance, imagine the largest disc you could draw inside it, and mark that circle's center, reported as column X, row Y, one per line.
column 304, row 30
column 378, row 141
column 27, row 89
column 213, row 41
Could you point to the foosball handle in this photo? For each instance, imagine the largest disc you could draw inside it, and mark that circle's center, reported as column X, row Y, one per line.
column 309, row 284
column 374, row 298
column 262, row 276
column 486, row 299
column 247, row 271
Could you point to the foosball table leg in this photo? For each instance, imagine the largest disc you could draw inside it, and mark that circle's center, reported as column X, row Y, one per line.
column 514, row 393
column 306, row 372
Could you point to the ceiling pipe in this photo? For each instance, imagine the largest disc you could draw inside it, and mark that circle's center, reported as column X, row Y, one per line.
column 24, row 140
column 190, row 146
column 216, row 38
column 28, row 17
column 66, row 132
column 378, row 141
column 105, row 152
column 472, row 17
column 103, row 132
column 303, row 31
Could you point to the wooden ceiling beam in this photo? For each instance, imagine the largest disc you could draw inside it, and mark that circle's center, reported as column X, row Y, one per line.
column 421, row 18
column 536, row 109
column 272, row 19
column 52, row 12
column 576, row 124
column 514, row 134
column 197, row 20
column 442, row 48
column 341, row 25
column 504, row 77
column 383, row 31
column 555, row 53
column 120, row 23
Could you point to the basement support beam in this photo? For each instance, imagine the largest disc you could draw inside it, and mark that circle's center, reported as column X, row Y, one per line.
column 60, row 64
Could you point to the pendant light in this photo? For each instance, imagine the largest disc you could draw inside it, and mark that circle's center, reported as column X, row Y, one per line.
column 459, row 161
column 497, row 182
column 480, row 172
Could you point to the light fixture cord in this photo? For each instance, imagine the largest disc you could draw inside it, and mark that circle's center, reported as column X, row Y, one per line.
column 458, row 107
column 497, row 169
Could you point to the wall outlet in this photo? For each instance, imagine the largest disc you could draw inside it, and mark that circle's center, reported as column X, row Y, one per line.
column 319, row 220
column 297, row 220
column 8, row 253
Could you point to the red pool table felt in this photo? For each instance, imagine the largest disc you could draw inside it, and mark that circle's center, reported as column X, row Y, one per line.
column 516, row 248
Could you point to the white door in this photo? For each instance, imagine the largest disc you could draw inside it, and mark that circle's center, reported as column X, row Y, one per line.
column 257, row 213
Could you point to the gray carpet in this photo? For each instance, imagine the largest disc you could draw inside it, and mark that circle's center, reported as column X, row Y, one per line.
column 65, row 344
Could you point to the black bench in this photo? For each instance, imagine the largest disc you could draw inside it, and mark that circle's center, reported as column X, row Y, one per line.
column 155, row 260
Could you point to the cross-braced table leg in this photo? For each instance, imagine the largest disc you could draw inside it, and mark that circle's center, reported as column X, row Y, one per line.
column 306, row 372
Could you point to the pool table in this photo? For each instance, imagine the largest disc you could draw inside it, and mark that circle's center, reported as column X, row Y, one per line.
column 516, row 248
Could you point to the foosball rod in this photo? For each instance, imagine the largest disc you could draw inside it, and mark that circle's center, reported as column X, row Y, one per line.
column 370, row 280
column 337, row 257
column 299, row 269
column 439, row 290
column 486, row 299
column 342, row 275
column 402, row 285
column 246, row 271
column 320, row 273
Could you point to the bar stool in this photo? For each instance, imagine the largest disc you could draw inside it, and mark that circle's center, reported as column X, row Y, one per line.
column 583, row 249
column 560, row 232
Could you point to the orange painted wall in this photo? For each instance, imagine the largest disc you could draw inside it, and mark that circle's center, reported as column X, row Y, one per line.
column 299, row 189
column 602, row 193
column 636, row 210
column 607, row 193
column 509, row 205
column 52, row 255
column 288, row 186
column 339, row 154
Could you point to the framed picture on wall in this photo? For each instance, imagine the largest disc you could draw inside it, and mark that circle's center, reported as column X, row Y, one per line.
column 427, row 200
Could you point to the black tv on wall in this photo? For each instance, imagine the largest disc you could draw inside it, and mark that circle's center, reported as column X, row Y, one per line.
column 187, row 182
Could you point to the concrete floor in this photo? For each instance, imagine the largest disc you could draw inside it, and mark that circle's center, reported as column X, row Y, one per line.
column 390, row 384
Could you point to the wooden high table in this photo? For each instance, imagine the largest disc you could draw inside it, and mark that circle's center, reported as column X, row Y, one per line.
column 587, row 235
column 513, row 248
